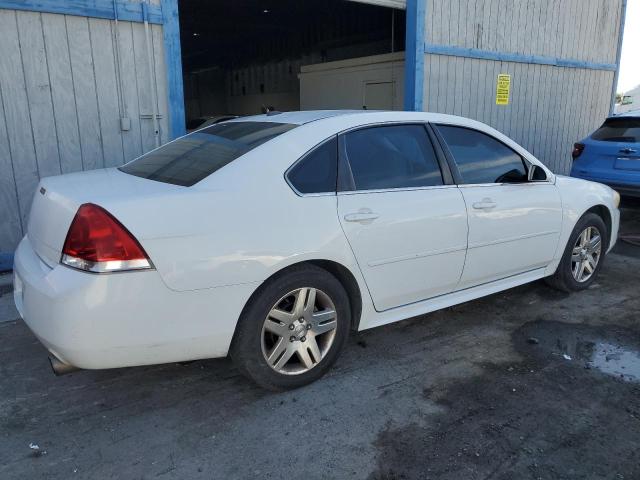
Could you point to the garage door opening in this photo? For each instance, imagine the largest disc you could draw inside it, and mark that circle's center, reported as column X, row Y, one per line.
column 243, row 57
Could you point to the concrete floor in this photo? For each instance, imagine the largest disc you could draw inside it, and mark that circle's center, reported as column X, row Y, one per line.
column 529, row 383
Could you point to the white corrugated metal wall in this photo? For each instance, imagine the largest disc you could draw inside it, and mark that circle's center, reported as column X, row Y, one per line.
column 61, row 102
column 551, row 106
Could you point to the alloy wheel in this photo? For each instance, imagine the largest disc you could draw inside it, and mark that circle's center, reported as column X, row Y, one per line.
column 586, row 254
column 299, row 331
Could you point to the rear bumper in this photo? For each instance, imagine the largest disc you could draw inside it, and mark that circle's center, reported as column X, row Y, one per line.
column 122, row 319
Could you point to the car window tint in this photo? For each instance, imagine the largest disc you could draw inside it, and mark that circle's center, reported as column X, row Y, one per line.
column 481, row 158
column 619, row 129
column 316, row 172
column 395, row 156
column 189, row 159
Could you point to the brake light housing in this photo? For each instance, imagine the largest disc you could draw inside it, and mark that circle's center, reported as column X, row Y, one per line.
column 97, row 242
column 578, row 148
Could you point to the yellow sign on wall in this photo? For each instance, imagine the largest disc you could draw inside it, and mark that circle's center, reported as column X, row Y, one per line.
column 503, row 86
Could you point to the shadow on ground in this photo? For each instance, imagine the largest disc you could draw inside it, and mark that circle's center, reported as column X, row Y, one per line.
column 569, row 409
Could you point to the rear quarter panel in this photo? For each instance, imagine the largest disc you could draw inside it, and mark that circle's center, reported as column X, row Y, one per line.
column 240, row 225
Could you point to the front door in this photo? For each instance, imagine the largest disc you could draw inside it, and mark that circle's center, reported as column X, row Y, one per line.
column 406, row 227
column 514, row 224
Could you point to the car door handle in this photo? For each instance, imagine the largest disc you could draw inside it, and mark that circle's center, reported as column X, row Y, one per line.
column 363, row 216
column 628, row 150
column 485, row 204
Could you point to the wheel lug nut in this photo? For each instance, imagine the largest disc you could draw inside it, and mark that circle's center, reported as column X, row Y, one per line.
column 301, row 319
column 292, row 338
column 291, row 327
column 303, row 339
column 308, row 326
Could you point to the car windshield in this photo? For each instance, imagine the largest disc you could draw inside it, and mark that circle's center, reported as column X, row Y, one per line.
column 620, row 129
column 189, row 159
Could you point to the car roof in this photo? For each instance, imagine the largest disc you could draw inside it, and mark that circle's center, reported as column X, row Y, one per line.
column 297, row 117
column 308, row 116
column 315, row 126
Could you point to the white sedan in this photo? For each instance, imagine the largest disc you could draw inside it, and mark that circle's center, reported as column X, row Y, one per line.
column 269, row 238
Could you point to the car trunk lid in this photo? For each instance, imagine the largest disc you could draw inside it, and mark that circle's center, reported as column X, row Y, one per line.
column 57, row 200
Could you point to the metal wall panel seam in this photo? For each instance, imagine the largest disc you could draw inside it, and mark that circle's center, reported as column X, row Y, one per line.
column 73, row 85
column 514, row 57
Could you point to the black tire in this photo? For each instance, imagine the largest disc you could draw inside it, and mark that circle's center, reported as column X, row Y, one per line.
column 247, row 345
column 563, row 278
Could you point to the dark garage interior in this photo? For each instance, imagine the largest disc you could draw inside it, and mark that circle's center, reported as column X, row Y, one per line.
column 244, row 56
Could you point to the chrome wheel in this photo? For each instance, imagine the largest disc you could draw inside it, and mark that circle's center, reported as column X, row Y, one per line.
column 299, row 331
column 586, row 254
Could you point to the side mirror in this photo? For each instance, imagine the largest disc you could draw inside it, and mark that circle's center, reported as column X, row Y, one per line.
column 536, row 174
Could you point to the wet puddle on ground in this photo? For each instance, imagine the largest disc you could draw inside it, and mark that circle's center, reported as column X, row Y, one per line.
column 615, row 360
column 611, row 351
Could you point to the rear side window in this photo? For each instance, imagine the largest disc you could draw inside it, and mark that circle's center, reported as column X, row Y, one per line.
column 621, row 129
column 395, row 156
column 316, row 171
column 481, row 158
column 189, row 159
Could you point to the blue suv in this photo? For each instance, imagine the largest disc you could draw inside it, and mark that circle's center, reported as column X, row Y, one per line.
column 611, row 154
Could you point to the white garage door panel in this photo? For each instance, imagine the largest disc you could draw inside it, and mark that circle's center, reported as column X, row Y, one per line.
column 385, row 3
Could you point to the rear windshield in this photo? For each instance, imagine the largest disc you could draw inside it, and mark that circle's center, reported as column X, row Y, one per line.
column 189, row 159
column 622, row 129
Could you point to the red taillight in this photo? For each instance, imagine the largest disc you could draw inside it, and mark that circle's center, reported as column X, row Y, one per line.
column 97, row 242
column 578, row 148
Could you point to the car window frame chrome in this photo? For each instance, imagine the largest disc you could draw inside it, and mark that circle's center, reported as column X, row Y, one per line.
column 391, row 190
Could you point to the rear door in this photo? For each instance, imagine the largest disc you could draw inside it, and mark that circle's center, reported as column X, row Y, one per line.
column 405, row 221
column 514, row 224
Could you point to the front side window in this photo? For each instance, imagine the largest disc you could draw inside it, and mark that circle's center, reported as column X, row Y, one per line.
column 316, row 171
column 620, row 129
column 481, row 158
column 189, row 159
column 394, row 156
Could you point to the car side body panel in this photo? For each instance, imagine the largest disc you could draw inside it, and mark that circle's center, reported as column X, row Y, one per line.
column 213, row 245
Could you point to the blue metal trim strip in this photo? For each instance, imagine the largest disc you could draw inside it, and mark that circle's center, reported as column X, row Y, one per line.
column 6, row 262
column 514, row 57
column 614, row 87
column 127, row 9
column 173, row 59
column 414, row 55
